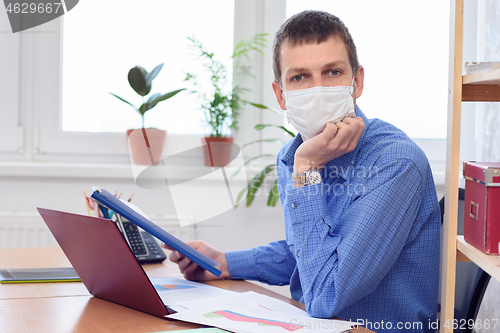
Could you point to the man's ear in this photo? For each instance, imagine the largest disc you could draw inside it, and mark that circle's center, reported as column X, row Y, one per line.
column 359, row 81
column 279, row 95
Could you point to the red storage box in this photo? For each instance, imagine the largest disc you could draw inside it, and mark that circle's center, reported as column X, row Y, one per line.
column 482, row 205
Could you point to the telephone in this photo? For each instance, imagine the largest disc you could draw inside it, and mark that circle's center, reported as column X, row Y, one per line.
column 143, row 245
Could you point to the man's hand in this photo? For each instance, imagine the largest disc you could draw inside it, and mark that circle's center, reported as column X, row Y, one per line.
column 191, row 270
column 336, row 140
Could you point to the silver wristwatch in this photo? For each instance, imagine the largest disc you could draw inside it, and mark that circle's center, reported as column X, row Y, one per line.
column 310, row 177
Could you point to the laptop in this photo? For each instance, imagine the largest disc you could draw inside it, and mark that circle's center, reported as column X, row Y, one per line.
column 104, row 261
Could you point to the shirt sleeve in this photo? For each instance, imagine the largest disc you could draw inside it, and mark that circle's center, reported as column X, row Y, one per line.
column 338, row 269
column 260, row 263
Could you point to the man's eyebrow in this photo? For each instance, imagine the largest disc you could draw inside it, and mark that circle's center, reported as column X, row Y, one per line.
column 297, row 70
column 339, row 63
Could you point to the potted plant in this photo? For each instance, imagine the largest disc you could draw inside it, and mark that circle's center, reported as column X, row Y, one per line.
column 268, row 171
column 146, row 144
column 221, row 104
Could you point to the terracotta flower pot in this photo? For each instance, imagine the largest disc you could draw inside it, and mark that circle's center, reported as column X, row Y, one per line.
column 146, row 145
column 217, row 151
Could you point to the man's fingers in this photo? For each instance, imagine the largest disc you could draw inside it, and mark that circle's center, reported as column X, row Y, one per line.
column 176, row 256
column 189, row 270
column 165, row 246
column 348, row 133
column 344, row 131
column 330, row 131
column 184, row 263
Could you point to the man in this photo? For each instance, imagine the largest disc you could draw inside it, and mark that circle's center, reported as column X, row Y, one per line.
column 361, row 213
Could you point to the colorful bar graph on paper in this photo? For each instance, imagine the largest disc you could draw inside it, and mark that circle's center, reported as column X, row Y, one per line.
column 247, row 319
column 172, row 286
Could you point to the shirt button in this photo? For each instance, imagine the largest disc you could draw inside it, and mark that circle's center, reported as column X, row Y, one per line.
column 294, row 205
column 298, row 253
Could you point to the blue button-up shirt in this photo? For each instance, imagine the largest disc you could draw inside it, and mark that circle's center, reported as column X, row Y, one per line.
column 364, row 245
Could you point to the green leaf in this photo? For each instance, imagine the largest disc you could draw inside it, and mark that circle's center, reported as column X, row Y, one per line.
column 149, row 103
column 121, row 99
column 274, row 195
column 257, row 182
column 263, row 140
column 169, row 94
column 242, row 193
column 256, row 49
column 151, row 76
column 143, row 109
column 253, row 158
column 137, row 80
column 157, row 98
column 261, row 35
column 262, row 126
column 261, row 106
column 260, row 44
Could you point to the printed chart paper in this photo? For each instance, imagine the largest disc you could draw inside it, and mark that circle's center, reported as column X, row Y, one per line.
column 174, row 290
column 254, row 313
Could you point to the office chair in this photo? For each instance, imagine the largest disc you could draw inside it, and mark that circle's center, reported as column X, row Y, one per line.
column 471, row 281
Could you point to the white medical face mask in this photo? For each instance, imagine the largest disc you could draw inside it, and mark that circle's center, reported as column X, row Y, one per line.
column 309, row 110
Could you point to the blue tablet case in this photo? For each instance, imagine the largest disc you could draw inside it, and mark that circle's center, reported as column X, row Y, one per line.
column 110, row 201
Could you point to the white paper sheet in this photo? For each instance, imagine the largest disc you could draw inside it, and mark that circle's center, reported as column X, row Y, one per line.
column 172, row 291
column 254, row 313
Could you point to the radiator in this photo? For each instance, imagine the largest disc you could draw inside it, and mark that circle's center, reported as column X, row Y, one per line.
column 21, row 230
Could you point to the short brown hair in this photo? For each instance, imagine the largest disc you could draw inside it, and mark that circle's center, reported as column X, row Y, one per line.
column 312, row 26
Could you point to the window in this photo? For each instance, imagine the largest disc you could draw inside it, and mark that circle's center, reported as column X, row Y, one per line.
column 123, row 34
column 403, row 47
column 96, row 146
column 60, row 138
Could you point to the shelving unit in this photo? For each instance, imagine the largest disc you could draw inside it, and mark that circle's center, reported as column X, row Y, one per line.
column 476, row 87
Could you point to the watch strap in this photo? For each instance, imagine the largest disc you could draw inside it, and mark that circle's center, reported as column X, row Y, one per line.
column 299, row 178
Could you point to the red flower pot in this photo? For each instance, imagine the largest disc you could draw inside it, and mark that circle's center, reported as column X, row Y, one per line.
column 146, row 145
column 217, row 151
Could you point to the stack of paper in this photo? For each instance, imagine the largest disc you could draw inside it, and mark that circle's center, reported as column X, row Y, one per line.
column 251, row 312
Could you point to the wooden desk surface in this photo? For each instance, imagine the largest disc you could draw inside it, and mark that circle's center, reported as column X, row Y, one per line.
column 68, row 307
column 79, row 314
column 52, row 258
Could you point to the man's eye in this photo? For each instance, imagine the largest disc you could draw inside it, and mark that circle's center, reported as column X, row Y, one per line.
column 298, row 78
column 334, row 72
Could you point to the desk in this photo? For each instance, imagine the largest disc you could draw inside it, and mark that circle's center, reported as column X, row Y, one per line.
column 68, row 307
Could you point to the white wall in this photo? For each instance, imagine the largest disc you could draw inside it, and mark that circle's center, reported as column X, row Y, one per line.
column 235, row 229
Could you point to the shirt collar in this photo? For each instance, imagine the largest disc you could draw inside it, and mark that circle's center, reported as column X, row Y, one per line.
column 344, row 161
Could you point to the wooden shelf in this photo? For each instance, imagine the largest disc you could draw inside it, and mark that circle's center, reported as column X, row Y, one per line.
column 484, row 77
column 481, row 86
column 488, row 263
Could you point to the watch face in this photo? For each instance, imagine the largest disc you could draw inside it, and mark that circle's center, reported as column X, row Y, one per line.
column 314, row 177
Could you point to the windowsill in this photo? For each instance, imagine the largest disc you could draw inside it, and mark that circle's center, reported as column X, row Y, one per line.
column 121, row 171
column 103, row 171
